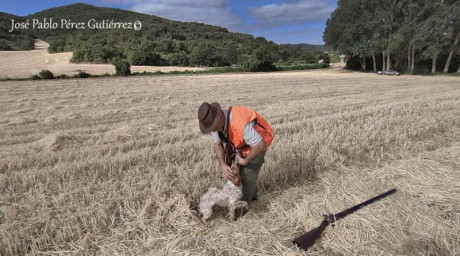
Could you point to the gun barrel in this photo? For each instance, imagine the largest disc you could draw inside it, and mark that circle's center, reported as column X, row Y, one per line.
column 308, row 239
column 349, row 211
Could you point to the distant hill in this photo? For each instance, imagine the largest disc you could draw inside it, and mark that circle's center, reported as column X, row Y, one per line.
column 13, row 40
column 159, row 42
column 308, row 46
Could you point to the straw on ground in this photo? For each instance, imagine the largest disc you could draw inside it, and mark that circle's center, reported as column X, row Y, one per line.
column 109, row 166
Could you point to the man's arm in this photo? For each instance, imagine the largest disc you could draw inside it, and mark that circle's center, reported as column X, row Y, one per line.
column 255, row 150
column 226, row 170
column 219, row 153
column 254, row 140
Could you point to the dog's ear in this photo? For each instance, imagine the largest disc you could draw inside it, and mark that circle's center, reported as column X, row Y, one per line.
column 236, row 171
column 235, row 167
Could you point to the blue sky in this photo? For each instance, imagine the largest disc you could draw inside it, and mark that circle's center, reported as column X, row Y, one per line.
column 282, row 21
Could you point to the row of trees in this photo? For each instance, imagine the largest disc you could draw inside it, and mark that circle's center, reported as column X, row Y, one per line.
column 406, row 34
column 162, row 51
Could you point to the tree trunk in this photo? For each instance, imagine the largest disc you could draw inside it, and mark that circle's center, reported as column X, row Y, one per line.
column 452, row 49
column 383, row 60
column 362, row 61
column 388, row 62
column 433, row 64
column 412, row 66
column 408, row 57
column 374, row 62
column 389, row 39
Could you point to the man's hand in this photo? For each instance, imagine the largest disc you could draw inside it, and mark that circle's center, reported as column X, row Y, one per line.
column 259, row 147
column 241, row 161
column 227, row 172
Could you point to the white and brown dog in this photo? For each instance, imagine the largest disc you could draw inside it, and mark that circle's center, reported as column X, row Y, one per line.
column 228, row 196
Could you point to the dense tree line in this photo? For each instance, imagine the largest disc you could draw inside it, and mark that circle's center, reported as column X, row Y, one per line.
column 13, row 40
column 160, row 41
column 408, row 35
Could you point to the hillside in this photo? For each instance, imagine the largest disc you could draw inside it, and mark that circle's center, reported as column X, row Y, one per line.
column 15, row 40
column 308, row 46
column 159, row 42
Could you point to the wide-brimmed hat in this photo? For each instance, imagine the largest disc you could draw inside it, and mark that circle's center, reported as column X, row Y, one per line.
column 209, row 115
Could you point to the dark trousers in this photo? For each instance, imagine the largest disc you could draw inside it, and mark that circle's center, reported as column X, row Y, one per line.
column 249, row 174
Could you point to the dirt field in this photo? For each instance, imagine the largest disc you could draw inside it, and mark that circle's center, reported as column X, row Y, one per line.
column 109, row 166
column 32, row 62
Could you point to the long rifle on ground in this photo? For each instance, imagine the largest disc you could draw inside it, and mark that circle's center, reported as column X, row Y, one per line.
column 306, row 240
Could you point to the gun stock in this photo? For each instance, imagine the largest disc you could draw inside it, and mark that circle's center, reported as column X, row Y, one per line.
column 307, row 240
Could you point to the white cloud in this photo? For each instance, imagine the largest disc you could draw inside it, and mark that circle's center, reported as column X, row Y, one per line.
column 215, row 12
column 282, row 17
column 294, row 12
column 173, row 2
column 296, row 35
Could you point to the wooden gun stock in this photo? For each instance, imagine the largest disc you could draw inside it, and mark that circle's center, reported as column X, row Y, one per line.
column 307, row 240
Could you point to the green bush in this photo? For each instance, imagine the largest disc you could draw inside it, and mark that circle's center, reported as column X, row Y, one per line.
column 304, row 67
column 122, row 68
column 22, row 42
column 227, row 69
column 261, row 60
column 309, row 57
column 82, row 74
column 46, row 74
column 63, row 76
column 252, row 65
column 4, row 45
column 145, row 58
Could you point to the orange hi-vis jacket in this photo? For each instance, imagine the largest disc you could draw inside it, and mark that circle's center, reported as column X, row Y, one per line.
column 242, row 116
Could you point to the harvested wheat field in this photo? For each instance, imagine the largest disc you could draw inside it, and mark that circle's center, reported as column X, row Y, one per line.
column 110, row 166
column 34, row 61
